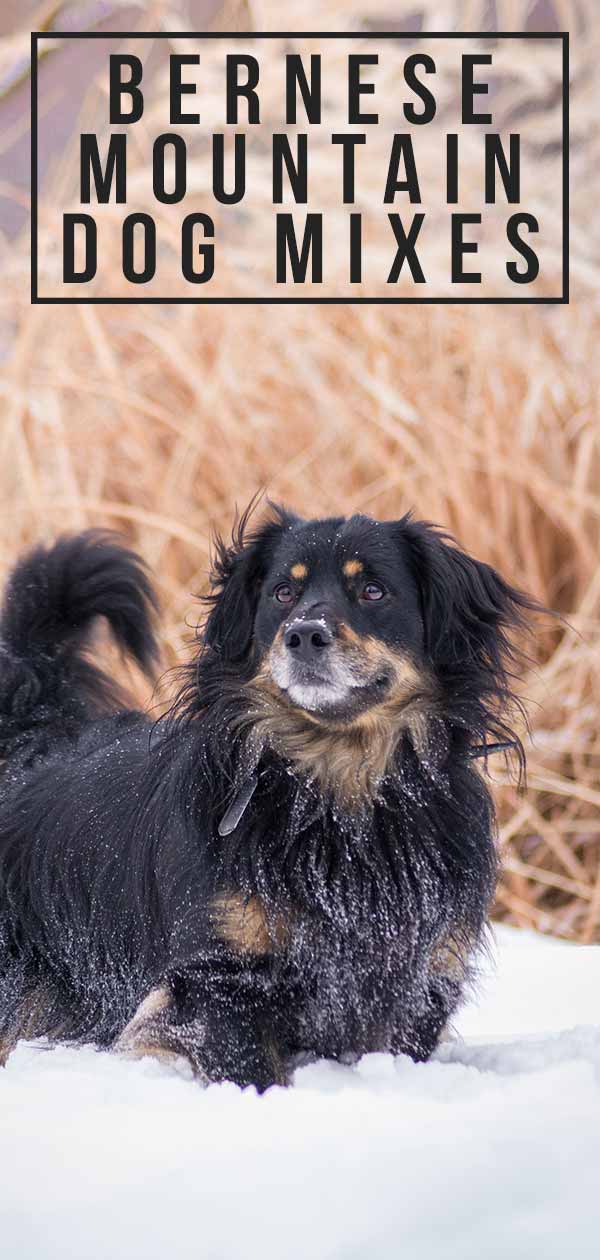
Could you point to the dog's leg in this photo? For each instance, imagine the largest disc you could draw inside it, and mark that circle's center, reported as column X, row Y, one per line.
column 418, row 1035
column 215, row 1014
column 150, row 1032
column 228, row 1018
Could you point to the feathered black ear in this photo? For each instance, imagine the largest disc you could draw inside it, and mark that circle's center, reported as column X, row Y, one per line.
column 474, row 623
column 237, row 571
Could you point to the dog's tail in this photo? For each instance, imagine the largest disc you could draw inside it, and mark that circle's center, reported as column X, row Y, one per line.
column 52, row 598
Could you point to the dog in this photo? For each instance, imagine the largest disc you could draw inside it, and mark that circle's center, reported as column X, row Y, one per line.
column 298, row 859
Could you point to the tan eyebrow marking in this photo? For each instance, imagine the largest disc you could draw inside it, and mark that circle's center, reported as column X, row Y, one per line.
column 352, row 567
column 299, row 571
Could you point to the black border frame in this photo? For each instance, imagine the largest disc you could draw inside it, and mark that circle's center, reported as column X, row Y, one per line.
column 37, row 300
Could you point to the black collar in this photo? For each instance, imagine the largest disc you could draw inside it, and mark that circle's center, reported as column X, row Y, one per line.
column 241, row 799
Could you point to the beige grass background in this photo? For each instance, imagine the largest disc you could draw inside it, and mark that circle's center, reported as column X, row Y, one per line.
column 159, row 420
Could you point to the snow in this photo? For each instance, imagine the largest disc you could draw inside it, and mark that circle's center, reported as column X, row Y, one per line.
column 491, row 1150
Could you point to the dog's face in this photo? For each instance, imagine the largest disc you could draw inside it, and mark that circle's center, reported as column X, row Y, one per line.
column 338, row 628
column 345, row 619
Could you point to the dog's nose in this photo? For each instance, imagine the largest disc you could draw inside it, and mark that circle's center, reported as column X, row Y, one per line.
column 306, row 640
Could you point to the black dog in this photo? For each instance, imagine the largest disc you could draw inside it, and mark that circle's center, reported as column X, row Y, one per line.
column 299, row 858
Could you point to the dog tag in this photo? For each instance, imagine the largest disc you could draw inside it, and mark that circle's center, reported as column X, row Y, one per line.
column 238, row 805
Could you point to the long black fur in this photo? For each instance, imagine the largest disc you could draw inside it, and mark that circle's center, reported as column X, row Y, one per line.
column 111, row 861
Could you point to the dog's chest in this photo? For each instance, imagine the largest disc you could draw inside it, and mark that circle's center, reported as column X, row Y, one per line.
column 346, row 990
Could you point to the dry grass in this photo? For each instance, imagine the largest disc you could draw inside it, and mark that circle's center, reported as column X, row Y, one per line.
column 159, row 420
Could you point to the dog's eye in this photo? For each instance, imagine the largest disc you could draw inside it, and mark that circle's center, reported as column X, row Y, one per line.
column 372, row 591
column 283, row 593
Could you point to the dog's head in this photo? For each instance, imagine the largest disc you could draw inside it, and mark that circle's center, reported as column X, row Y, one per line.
column 344, row 619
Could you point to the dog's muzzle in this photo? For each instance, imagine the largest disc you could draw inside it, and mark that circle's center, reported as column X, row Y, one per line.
column 308, row 641
column 318, row 672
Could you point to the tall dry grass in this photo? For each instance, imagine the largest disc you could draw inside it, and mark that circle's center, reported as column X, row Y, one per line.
column 159, row 420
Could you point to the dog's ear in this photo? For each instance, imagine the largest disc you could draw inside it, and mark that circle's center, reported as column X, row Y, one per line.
column 235, row 580
column 470, row 612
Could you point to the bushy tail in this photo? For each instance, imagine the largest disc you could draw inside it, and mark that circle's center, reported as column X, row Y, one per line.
column 52, row 598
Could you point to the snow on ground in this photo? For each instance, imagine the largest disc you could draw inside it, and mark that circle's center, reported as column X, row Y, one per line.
column 490, row 1151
